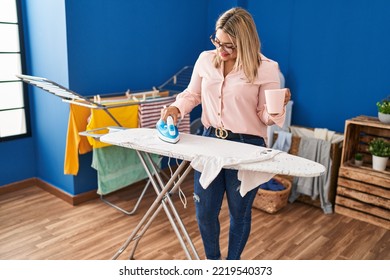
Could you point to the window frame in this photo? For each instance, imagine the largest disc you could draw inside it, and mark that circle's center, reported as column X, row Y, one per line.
column 22, row 53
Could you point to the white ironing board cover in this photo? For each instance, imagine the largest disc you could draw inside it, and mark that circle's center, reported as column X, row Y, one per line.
column 236, row 155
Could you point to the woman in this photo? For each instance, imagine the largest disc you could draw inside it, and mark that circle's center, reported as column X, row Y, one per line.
column 229, row 82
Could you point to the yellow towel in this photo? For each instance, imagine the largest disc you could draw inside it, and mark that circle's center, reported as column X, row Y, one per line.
column 126, row 116
column 75, row 144
column 82, row 119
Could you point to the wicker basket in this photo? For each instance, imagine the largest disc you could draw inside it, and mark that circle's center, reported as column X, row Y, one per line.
column 273, row 201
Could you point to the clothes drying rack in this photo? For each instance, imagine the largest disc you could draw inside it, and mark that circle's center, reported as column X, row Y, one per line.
column 174, row 85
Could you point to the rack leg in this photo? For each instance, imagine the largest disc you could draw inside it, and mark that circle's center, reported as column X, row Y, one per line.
column 135, row 206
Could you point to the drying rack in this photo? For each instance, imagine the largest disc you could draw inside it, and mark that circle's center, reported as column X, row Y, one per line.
column 174, row 85
column 177, row 83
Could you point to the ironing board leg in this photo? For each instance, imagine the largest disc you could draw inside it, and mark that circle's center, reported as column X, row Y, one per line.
column 163, row 195
column 153, row 207
column 176, row 215
column 138, row 237
column 138, row 200
column 169, row 210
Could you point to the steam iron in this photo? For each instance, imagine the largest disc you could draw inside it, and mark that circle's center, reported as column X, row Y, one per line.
column 167, row 132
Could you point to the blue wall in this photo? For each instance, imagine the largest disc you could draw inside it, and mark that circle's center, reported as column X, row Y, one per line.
column 40, row 155
column 46, row 48
column 96, row 47
column 334, row 55
column 131, row 44
column 17, row 160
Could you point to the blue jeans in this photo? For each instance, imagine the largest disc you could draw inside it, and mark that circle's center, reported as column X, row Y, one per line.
column 208, row 204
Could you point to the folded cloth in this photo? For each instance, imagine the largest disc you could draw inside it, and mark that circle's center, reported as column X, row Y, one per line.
column 272, row 185
column 319, row 133
column 283, row 142
column 324, row 134
column 302, row 131
column 210, row 166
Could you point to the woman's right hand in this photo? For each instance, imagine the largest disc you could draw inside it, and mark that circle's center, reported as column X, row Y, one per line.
column 170, row 111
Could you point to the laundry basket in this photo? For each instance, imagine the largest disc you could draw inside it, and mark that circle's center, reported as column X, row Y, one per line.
column 273, row 201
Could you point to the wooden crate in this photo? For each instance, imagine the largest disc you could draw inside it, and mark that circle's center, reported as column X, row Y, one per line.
column 363, row 193
column 360, row 131
column 335, row 155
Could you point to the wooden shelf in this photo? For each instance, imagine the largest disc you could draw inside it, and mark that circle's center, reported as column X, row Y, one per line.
column 363, row 193
column 366, row 166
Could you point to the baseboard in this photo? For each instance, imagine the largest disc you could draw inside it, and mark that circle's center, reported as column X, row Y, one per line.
column 18, row 186
column 71, row 199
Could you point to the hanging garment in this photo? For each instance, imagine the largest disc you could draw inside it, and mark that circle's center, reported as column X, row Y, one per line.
column 149, row 114
column 81, row 119
column 317, row 150
column 76, row 144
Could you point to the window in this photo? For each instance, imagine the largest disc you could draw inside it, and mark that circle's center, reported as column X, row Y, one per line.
column 13, row 98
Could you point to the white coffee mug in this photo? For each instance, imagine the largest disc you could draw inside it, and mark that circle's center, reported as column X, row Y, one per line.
column 274, row 99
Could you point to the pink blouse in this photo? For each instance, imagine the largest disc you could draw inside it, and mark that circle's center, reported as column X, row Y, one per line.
column 231, row 102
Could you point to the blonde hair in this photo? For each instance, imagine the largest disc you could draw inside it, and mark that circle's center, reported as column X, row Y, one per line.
column 239, row 24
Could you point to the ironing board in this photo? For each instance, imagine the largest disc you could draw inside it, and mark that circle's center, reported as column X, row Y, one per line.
column 192, row 149
column 177, row 83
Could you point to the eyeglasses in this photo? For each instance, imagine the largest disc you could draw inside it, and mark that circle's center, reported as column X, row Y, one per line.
column 228, row 47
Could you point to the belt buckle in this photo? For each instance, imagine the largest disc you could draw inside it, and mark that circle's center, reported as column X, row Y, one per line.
column 221, row 133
